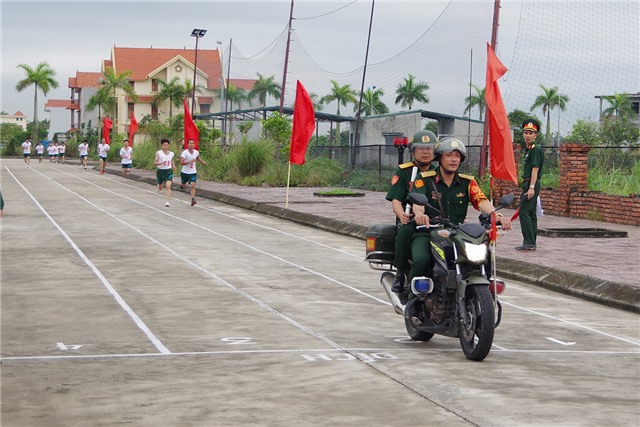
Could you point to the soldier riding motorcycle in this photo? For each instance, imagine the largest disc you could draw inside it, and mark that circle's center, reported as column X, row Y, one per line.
column 458, row 299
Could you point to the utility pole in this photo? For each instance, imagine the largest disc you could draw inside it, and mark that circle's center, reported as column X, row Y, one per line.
column 286, row 60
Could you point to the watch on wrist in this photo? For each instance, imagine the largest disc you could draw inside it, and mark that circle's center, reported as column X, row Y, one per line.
column 532, row 186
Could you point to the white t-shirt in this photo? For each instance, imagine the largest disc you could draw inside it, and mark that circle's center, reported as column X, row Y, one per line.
column 61, row 148
column 190, row 159
column 26, row 147
column 102, row 149
column 126, row 155
column 50, row 150
column 165, row 159
column 83, row 149
column 55, row 150
column 40, row 149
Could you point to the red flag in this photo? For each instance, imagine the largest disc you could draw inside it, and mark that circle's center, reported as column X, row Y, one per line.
column 190, row 129
column 304, row 124
column 503, row 165
column 133, row 128
column 107, row 124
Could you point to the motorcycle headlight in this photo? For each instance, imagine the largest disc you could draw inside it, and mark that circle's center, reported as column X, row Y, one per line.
column 476, row 253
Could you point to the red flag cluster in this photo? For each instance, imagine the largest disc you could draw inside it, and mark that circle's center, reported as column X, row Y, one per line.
column 107, row 124
column 190, row 129
column 304, row 124
column 503, row 165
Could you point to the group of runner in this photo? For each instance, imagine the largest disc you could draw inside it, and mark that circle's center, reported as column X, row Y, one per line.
column 55, row 151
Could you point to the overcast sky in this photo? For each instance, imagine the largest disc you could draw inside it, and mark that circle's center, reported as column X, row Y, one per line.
column 77, row 35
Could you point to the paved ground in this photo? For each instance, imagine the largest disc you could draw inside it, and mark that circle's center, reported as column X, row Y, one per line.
column 605, row 270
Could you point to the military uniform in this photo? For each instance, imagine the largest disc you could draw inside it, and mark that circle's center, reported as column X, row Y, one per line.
column 455, row 201
column 400, row 187
column 534, row 157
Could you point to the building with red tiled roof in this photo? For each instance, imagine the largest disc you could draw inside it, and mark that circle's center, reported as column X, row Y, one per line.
column 149, row 66
column 16, row 118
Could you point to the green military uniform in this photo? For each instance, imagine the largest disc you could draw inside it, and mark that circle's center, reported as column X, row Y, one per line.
column 400, row 186
column 534, row 157
column 455, row 201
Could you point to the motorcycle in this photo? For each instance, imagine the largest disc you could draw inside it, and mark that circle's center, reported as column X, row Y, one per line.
column 460, row 299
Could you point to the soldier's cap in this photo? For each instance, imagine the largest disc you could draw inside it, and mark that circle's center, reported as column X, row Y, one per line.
column 531, row 124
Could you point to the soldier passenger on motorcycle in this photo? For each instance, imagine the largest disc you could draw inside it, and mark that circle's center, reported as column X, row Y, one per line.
column 450, row 192
column 422, row 148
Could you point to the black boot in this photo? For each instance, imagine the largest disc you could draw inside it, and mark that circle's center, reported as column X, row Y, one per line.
column 398, row 284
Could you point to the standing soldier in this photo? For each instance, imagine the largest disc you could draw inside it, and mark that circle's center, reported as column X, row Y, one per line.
column 533, row 161
column 422, row 148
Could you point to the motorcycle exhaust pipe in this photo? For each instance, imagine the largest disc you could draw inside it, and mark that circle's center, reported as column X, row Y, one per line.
column 386, row 280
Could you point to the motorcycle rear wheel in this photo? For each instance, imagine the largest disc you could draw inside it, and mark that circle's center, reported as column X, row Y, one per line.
column 415, row 315
column 476, row 333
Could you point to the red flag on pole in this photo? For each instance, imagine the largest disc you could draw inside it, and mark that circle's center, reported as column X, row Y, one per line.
column 107, row 124
column 503, row 165
column 133, row 128
column 190, row 129
column 304, row 124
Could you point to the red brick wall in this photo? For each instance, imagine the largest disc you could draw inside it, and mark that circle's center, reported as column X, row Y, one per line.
column 572, row 199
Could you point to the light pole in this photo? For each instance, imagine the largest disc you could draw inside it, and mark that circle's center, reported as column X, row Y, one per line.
column 222, row 95
column 197, row 33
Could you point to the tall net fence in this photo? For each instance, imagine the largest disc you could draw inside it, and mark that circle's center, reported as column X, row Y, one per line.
column 584, row 48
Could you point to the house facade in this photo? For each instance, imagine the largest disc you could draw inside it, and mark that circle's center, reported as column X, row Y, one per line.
column 150, row 66
column 17, row 118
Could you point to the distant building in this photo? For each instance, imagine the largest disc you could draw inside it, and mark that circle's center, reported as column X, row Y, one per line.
column 83, row 86
column 635, row 105
column 16, row 119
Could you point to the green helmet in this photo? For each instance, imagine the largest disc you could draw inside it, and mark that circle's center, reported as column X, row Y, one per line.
column 423, row 138
column 451, row 144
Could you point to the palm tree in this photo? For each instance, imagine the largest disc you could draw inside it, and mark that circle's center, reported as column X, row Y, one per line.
column 265, row 87
column 371, row 102
column 619, row 105
column 173, row 91
column 42, row 78
column 476, row 100
column 548, row 101
column 317, row 106
column 411, row 91
column 235, row 96
column 188, row 91
column 344, row 95
column 111, row 81
column 102, row 100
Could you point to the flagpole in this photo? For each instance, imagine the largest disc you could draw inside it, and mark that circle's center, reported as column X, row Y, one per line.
column 286, row 202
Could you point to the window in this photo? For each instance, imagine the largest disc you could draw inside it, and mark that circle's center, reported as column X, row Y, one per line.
column 130, row 108
column 205, row 108
column 154, row 85
column 154, row 112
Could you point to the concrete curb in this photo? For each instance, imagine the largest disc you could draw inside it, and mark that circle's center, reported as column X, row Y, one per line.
column 608, row 293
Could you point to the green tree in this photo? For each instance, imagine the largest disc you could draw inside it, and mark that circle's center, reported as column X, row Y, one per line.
column 265, row 87
column 585, row 132
column 42, row 78
column 548, row 101
column 619, row 106
column 371, row 102
column 110, row 82
column 188, row 90
column 476, row 100
column 411, row 91
column 619, row 132
column 103, row 101
column 277, row 128
column 343, row 95
column 173, row 91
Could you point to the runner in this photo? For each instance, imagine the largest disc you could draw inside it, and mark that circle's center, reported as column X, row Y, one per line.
column 39, row 151
column 26, row 151
column 103, row 149
column 189, row 175
column 83, row 151
column 126, row 156
column 166, row 166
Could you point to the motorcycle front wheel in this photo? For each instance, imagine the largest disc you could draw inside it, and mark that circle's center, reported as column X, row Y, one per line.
column 414, row 315
column 476, row 331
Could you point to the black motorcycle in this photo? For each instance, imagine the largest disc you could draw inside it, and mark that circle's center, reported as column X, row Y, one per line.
column 459, row 299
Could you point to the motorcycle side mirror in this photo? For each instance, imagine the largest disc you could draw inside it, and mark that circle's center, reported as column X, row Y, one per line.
column 506, row 200
column 418, row 199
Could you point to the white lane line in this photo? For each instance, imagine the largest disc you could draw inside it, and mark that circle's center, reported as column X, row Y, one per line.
column 199, row 267
column 253, row 248
column 306, row 351
column 156, row 342
column 255, row 224
column 577, row 325
column 340, row 283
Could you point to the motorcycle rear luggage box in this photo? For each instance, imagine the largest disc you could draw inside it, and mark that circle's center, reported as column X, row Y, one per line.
column 381, row 243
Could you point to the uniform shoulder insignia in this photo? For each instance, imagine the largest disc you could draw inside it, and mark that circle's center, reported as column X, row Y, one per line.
column 465, row 176
column 427, row 174
column 406, row 165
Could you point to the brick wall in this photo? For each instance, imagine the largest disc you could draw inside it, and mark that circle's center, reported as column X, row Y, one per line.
column 572, row 199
